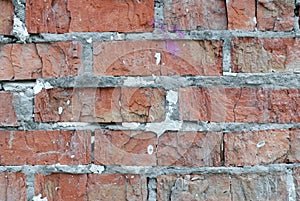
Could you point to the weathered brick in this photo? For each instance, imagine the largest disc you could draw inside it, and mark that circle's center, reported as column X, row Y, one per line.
column 259, row 186
column 61, row 186
column 241, row 14
column 296, row 172
column 189, row 149
column 8, row 115
column 43, row 60
column 6, row 17
column 275, row 15
column 294, row 152
column 256, row 147
column 219, row 104
column 100, row 105
column 12, row 186
column 117, row 187
column 52, row 16
column 193, row 187
column 125, row 148
column 253, row 55
column 195, row 15
column 158, row 58
column 45, row 147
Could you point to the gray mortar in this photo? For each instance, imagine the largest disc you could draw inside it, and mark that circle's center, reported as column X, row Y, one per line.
column 151, row 189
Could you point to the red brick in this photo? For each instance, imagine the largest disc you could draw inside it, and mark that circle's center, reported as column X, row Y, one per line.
column 259, row 186
column 294, row 152
column 139, row 58
column 100, row 105
column 256, row 147
column 125, row 148
column 117, row 187
column 275, row 15
column 194, row 187
column 52, row 16
column 8, row 115
column 61, row 186
column 195, row 15
column 189, row 149
column 296, row 172
column 241, row 14
column 43, row 60
column 265, row 55
column 45, row 147
column 6, row 17
column 219, row 104
column 12, row 186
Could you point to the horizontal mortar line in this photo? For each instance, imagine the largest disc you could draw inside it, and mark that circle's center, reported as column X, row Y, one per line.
column 151, row 171
column 188, row 126
column 270, row 80
column 157, row 34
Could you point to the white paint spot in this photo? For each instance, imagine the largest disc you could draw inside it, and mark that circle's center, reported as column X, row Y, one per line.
column 39, row 198
column 260, row 144
column 254, row 20
column 11, row 139
column 68, row 102
column 72, row 156
column 150, row 149
column 157, row 57
column 93, row 139
column 131, row 125
column 41, row 85
column 132, row 177
column 60, row 110
column 187, row 10
column 57, row 188
column 90, row 40
column 172, row 97
column 96, row 169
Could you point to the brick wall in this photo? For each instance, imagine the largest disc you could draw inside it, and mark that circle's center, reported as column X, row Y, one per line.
column 149, row 100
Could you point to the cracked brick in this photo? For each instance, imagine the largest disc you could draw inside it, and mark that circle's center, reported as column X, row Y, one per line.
column 42, row 60
column 45, row 147
column 125, row 148
column 100, row 105
column 275, row 15
column 265, row 55
column 189, row 149
column 261, row 105
column 54, row 16
column 13, row 186
column 176, row 57
column 8, row 115
column 256, row 147
column 6, row 17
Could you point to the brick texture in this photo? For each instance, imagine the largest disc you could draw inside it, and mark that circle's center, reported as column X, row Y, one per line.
column 256, row 147
column 239, row 104
column 6, row 17
column 296, row 172
column 241, row 14
column 253, row 55
column 43, row 60
column 61, row 186
column 91, row 187
column 158, row 58
column 294, row 152
column 275, row 15
column 100, row 105
column 8, row 115
column 263, row 186
column 12, row 186
column 193, row 187
column 125, row 148
column 117, row 187
column 53, row 16
column 195, row 15
column 189, row 149
column 45, row 147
